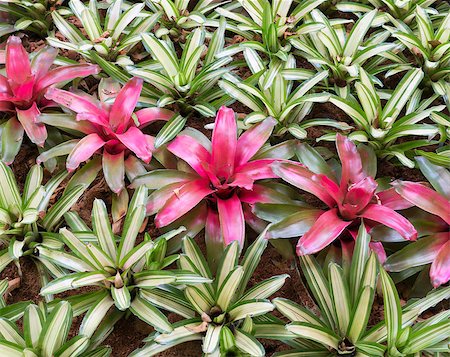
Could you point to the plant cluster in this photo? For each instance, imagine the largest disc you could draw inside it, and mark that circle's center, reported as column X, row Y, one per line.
column 207, row 124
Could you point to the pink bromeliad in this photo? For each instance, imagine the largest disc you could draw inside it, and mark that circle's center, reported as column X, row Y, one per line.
column 434, row 248
column 22, row 92
column 116, row 129
column 349, row 200
column 223, row 175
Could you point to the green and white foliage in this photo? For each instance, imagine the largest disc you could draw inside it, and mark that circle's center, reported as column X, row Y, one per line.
column 188, row 81
column 344, row 296
column 429, row 45
column 44, row 334
column 402, row 115
column 113, row 37
column 177, row 19
column 30, row 15
column 26, row 222
column 122, row 270
column 406, row 337
column 389, row 10
column 273, row 22
column 223, row 313
column 282, row 91
column 343, row 53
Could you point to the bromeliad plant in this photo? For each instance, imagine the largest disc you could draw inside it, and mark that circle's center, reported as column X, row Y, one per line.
column 221, row 312
column 349, row 192
column 113, row 37
column 22, row 93
column 25, row 222
column 188, row 81
column 114, row 129
column 272, row 91
column 434, row 245
column 345, row 299
column 121, row 270
column 273, row 22
column 30, row 15
column 219, row 176
column 429, row 46
column 45, row 334
column 382, row 125
column 341, row 53
column 177, row 19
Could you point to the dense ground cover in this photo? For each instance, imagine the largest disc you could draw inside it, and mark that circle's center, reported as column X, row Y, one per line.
column 249, row 177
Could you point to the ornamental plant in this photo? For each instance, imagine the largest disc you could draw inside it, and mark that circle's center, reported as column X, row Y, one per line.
column 22, row 93
column 274, row 22
column 275, row 90
column 383, row 125
column 25, row 220
column 33, row 15
column 112, row 37
column 434, row 245
column 332, row 48
column 351, row 197
column 221, row 312
column 179, row 17
column 45, row 334
column 219, row 173
column 120, row 269
column 345, row 300
column 113, row 129
column 187, row 81
column 427, row 44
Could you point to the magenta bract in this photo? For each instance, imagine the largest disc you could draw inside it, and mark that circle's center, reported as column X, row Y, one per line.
column 114, row 128
column 224, row 176
column 352, row 198
column 22, row 90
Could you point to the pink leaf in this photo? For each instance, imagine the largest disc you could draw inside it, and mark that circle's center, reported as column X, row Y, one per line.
column 261, row 194
column 125, row 104
column 65, row 73
column 18, row 68
column 158, row 198
column 191, row 151
column 42, row 62
column 139, row 143
column 378, row 248
column 242, row 180
column 252, row 140
column 440, row 268
column 182, row 201
column 352, row 170
column 390, row 218
column 213, row 237
column 4, row 85
column 85, row 148
column 358, row 197
column 326, row 229
column 147, row 116
column 36, row 131
column 232, row 223
column 224, row 143
column 258, row 169
column 299, row 176
column 78, row 103
column 391, row 199
column 424, row 198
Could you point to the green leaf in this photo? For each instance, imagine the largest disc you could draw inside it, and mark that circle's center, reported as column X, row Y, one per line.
column 340, row 294
column 161, row 52
column 266, row 288
column 170, row 130
column 248, row 344
column 392, row 309
column 33, row 322
column 151, row 315
column 102, row 228
column 227, row 290
column 253, row 307
column 56, row 328
column 319, row 334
